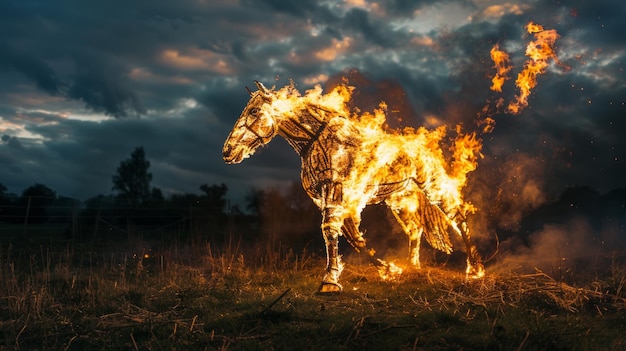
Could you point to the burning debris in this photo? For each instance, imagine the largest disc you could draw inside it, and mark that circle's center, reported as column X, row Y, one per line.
column 351, row 159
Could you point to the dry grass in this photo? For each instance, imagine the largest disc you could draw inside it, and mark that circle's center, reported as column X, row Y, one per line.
column 200, row 297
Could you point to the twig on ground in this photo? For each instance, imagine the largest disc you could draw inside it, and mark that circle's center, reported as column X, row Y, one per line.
column 266, row 309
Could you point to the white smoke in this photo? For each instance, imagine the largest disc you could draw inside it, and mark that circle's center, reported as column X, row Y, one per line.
column 562, row 250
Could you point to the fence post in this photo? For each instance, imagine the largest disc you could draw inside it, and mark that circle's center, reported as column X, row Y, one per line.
column 97, row 224
column 75, row 221
column 26, row 216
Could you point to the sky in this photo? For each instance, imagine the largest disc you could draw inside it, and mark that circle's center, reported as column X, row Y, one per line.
column 83, row 83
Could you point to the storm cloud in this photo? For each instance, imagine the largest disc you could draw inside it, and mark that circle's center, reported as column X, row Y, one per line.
column 85, row 83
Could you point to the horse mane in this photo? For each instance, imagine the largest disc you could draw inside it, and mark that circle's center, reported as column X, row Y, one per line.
column 329, row 105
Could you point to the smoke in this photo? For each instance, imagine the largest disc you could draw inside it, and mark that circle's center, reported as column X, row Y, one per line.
column 370, row 93
column 519, row 226
column 562, row 250
column 519, row 190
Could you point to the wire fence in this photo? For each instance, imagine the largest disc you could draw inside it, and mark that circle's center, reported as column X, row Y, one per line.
column 44, row 218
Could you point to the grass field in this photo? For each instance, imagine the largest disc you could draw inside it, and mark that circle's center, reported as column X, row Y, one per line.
column 198, row 297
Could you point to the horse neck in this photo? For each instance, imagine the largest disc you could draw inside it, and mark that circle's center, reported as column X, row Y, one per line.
column 303, row 128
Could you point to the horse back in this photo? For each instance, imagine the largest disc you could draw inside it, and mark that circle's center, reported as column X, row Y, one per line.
column 340, row 158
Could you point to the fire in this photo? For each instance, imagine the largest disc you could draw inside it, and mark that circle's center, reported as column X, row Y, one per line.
column 373, row 130
column 389, row 271
column 352, row 158
column 503, row 66
column 447, row 178
column 539, row 51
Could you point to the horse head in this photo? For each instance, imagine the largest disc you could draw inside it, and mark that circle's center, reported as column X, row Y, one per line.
column 255, row 127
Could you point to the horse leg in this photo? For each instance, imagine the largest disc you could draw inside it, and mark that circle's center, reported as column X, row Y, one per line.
column 475, row 267
column 414, row 247
column 409, row 223
column 332, row 222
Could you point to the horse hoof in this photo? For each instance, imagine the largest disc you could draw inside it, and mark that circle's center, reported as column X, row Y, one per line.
column 329, row 288
column 475, row 272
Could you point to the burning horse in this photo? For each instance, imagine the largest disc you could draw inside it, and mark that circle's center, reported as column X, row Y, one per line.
column 349, row 161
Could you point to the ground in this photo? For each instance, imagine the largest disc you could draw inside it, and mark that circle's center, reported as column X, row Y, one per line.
column 76, row 298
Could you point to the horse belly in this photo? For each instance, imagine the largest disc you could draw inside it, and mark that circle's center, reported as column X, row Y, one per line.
column 393, row 177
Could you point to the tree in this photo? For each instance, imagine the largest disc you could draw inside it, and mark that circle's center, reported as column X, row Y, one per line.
column 215, row 197
column 36, row 200
column 5, row 210
column 254, row 200
column 132, row 181
column 39, row 190
column 157, row 195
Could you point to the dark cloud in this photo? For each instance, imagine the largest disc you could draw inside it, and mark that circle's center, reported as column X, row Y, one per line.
column 406, row 7
column 32, row 67
column 183, row 66
column 87, row 51
column 39, row 36
column 104, row 91
column 359, row 20
column 598, row 23
column 12, row 142
column 301, row 9
column 227, row 102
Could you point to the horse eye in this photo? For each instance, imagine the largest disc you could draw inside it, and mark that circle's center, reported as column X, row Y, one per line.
column 254, row 111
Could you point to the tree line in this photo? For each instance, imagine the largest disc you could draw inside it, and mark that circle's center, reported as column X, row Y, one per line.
column 288, row 214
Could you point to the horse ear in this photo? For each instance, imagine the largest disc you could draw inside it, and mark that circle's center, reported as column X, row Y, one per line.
column 260, row 86
column 262, row 89
column 249, row 91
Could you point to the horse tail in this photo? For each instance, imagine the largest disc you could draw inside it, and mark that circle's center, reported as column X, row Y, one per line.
column 436, row 225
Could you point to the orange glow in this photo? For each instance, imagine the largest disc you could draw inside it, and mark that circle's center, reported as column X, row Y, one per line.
column 539, row 51
column 501, row 10
column 316, row 79
column 175, row 58
column 196, row 59
column 337, row 48
column 141, row 74
column 423, row 40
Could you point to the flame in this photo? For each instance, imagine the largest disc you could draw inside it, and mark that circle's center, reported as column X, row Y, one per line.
column 479, row 273
column 444, row 178
column 400, row 154
column 503, row 66
column 539, row 51
column 421, row 145
column 389, row 271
